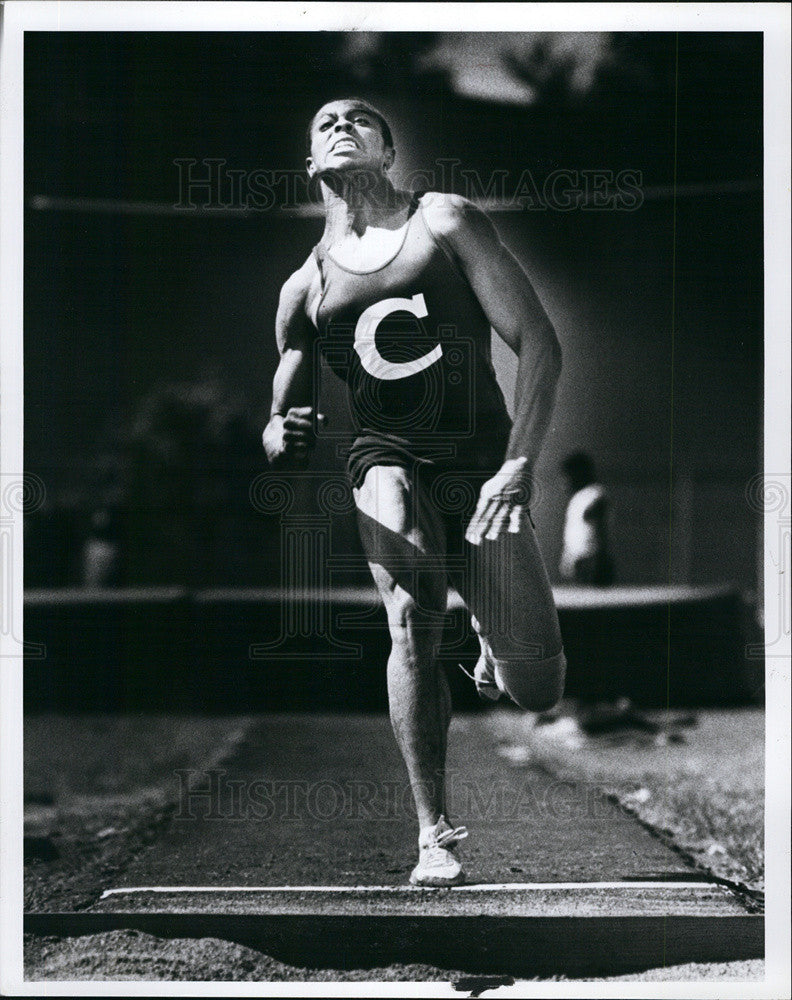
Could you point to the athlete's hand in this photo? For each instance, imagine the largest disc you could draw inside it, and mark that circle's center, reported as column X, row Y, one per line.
column 503, row 502
column 288, row 438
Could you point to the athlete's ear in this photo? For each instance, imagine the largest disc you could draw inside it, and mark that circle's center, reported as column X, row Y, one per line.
column 390, row 156
column 310, row 166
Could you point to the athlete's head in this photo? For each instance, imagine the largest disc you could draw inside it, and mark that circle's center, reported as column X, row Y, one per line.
column 579, row 470
column 349, row 134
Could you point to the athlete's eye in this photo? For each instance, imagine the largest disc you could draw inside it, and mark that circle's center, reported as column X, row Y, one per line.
column 323, row 126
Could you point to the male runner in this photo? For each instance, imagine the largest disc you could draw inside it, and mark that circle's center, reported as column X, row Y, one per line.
column 400, row 295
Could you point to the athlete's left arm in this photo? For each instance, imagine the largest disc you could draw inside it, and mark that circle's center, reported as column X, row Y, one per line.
column 512, row 307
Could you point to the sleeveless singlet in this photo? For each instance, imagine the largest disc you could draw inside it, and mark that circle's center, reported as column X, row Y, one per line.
column 412, row 344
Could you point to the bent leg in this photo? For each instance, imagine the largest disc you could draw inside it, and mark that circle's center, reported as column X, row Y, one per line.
column 404, row 545
column 508, row 594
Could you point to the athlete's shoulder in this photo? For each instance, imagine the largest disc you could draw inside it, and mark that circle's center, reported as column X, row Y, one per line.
column 451, row 215
column 295, row 291
column 294, row 302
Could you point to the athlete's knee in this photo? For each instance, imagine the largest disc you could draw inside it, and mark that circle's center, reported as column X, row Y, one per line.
column 535, row 685
column 414, row 614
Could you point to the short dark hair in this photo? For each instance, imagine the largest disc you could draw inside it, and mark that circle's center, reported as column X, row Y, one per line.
column 579, row 467
column 387, row 135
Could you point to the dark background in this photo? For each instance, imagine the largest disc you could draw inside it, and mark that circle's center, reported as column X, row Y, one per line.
column 149, row 345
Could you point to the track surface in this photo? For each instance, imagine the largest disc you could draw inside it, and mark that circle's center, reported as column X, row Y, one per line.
column 300, row 845
column 324, row 800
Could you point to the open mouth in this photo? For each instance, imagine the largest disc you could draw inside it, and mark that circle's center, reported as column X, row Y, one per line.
column 345, row 143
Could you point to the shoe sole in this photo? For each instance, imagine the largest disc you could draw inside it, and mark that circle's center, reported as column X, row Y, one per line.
column 490, row 692
column 437, row 883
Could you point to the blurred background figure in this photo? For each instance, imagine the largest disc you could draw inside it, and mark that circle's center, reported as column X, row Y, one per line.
column 585, row 557
column 100, row 555
column 586, row 560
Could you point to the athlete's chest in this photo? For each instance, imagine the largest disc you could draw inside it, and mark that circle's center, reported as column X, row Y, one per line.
column 404, row 270
column 413, row 314
column 371, row 251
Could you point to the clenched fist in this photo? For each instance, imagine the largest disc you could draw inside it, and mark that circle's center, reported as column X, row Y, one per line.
column 288, row 438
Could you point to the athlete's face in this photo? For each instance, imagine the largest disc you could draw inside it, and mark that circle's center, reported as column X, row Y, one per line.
column 345, row 135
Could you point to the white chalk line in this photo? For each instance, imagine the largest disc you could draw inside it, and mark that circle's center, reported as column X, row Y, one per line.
column 478, row 887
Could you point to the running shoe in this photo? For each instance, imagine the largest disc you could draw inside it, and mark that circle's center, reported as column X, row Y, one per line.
column 437, row 867
column 483, row 674
column 484, row 678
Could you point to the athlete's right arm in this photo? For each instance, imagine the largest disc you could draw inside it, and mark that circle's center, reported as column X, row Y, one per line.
column 291, row 430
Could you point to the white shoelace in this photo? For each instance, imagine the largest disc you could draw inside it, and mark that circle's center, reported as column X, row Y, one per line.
column 447, row 838
column 484, row 685
column 451, row 837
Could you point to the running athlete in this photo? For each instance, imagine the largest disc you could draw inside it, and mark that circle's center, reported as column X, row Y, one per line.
column 399, row 297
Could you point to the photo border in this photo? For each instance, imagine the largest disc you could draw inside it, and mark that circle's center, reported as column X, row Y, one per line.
column 771, row 18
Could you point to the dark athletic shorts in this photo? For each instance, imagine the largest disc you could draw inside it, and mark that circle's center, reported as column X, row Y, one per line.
column 477, row 457
column 450, row 486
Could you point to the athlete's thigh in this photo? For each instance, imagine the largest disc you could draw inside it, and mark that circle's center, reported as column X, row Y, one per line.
column 403, row 538
column 507, row 590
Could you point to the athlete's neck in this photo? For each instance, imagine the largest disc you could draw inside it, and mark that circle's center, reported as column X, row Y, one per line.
column 355, row 202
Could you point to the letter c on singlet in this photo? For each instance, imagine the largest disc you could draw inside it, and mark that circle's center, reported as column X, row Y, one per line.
column 366, row 343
